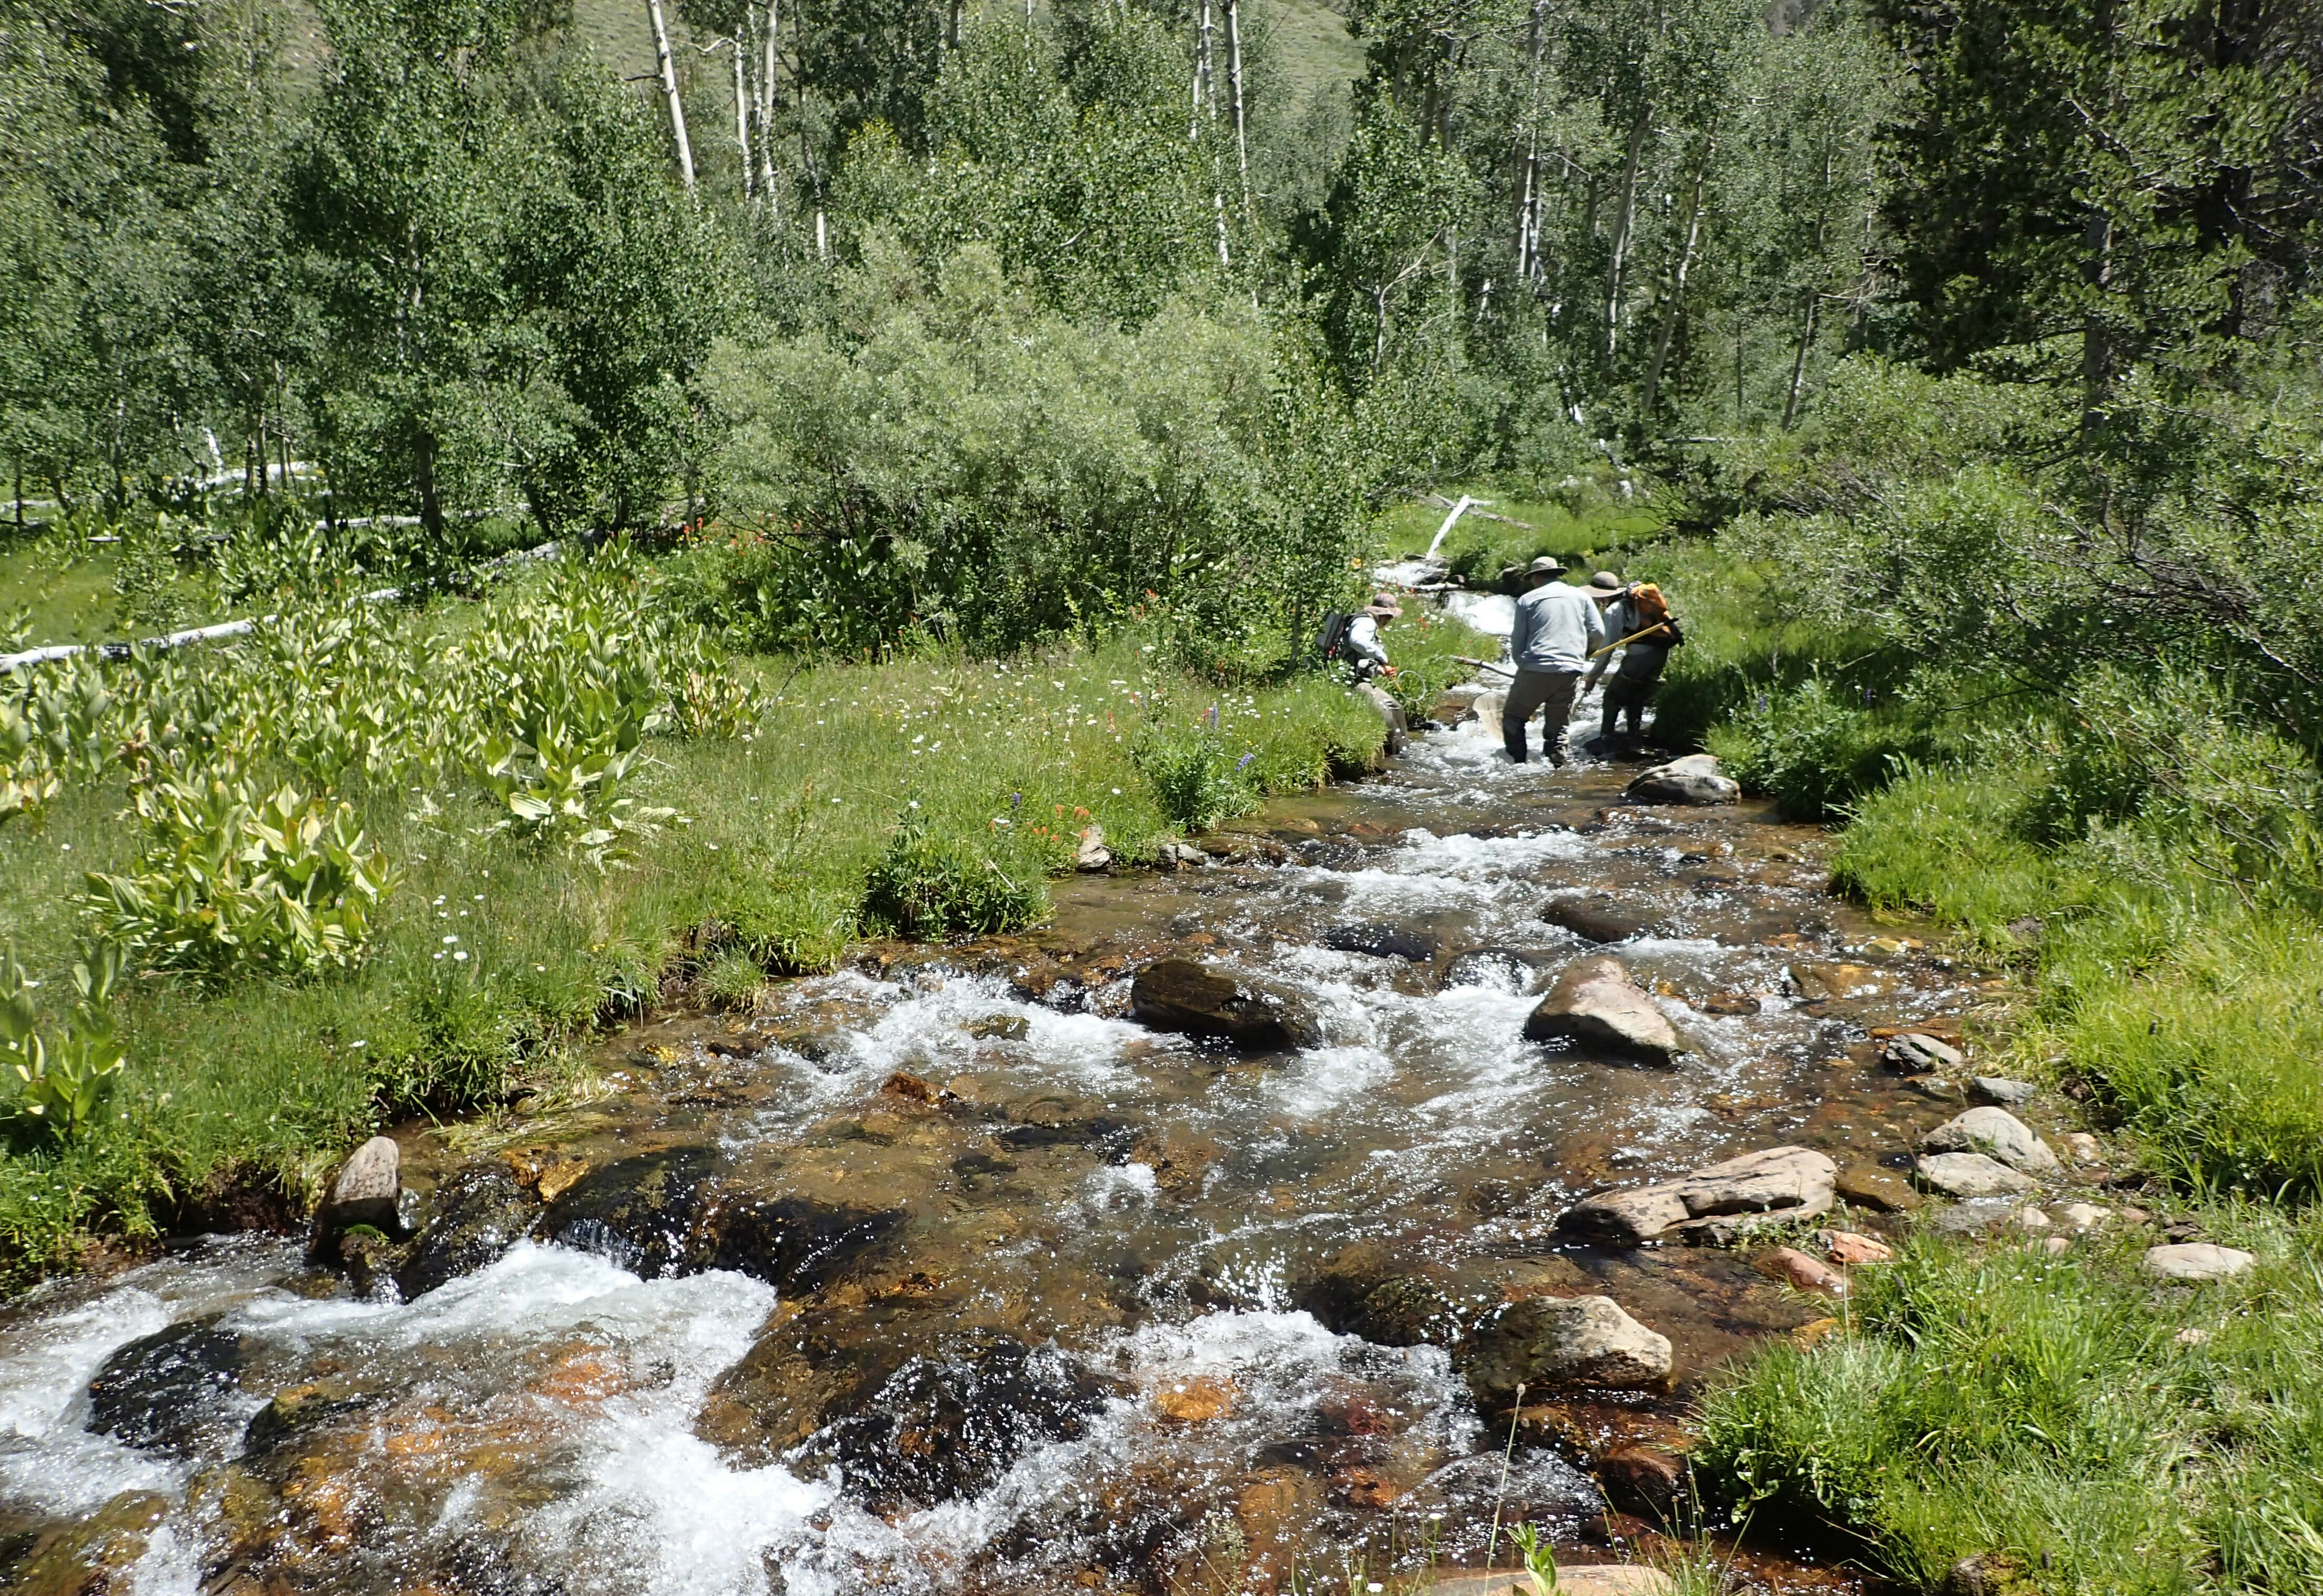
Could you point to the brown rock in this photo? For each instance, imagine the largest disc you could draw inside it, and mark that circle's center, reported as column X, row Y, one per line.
column 1365, row 1488
column 1198, row 1000
column 1847, row 1247
column 1790, row 1266
column 1194, row 1400
column 1883, row 1191
column 1812, row 1331
column 1642, row 1480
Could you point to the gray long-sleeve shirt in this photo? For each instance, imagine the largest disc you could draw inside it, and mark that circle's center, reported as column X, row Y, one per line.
column 1557, row 628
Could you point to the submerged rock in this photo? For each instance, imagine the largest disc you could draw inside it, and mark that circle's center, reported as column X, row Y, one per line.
column 1381, row 942
column 1717, row 1203
column 1601, row 918
column 1996, row 1134
column 161, row 1391
column 1915, row 1053
column 1595, row 1005
column 1199, row 1000
column 1508, row 968
column 950, row 1424
column 1883, row 1191
column 1546, row 1342
column 1695, row 779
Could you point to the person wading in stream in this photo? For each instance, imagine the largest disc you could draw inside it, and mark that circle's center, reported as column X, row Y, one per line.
column 1557, row 628
column 1636, row 615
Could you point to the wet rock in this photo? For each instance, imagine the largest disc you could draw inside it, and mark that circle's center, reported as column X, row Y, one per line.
column 1381, row 942
column 1599, row 917
column 949, row 1425
column 1643, row 1480
column 94, row 1555
column 1365, row 1488
column 1509, row 969
column 1198, row 1000
column 480, row 1212
column 1695, row 779
column 1000, row 1028
column 1181, row 856
column 160, row 1392
column 1970, row 1175
column 2001, row 1093
column 792, row 1241
column 1790, row 1266
column 1597, row 1006
column 1196, row 1399
column 1935, row 1088
column 1775, row 1183
column 1092, row 855
column 2195, row 1262
column 298, row 1410
column 1391, row 717
column 1573, row 1579
column 1546, row 1342
column 642, row 1213
column 2083, row 1147
column 366, row 1191
column 817, row 1044
column 1996, row 1134
column 1915, row 1053
column 1368, row 1290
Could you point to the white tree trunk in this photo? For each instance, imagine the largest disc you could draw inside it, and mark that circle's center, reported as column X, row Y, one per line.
column 742, row 108
column 669, row 92
column 1624, row 219
column 1233, row 79
column 1677, row 307
column 768, row 62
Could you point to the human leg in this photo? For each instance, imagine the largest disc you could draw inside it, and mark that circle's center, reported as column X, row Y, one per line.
column 1557, row 708
column 1526, row 694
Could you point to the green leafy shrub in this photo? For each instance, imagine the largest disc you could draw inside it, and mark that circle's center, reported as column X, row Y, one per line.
column 1197, row 779
column 1811, row 751
column 925, row 888
column 66, row 1074
column 235, row 880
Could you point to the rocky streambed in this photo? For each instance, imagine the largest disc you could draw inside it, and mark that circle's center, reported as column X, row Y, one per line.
column 1224, row 1232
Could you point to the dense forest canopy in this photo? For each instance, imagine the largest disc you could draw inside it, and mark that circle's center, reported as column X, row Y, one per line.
column 446, row 260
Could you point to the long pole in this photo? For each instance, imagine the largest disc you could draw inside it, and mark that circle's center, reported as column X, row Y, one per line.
column 669, row 92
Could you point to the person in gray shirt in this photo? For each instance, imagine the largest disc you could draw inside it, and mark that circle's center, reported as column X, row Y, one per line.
column 1557, row 628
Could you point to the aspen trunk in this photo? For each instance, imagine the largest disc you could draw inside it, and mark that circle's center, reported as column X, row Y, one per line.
column 1799, row 359
column 767, row 69
column 1233, row 79
column 1624, row 218
column 742, row 109
column 669, row 92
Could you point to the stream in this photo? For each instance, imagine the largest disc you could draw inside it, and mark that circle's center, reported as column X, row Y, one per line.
column 944, row 1273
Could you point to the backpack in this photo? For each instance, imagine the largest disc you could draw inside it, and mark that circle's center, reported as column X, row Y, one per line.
column 1334, row 634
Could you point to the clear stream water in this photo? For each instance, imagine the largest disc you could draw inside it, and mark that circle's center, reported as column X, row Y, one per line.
column 1138, row 1210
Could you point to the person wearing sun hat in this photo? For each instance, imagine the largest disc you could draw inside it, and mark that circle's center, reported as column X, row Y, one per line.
column 1557, row 628
column 1363, row 637
column 1636, row 615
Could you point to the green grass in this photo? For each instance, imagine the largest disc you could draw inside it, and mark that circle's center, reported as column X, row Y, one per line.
column 2046, row 1416
column 1583, row 528
column 766, row 868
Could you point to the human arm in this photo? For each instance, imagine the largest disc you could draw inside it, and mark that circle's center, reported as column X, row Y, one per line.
column 1362, row 640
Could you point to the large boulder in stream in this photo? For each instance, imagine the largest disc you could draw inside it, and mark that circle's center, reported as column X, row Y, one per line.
column 1201, row 1000
column 1546, row 1343
column 1595, row 1005
column 1599, row 917
column 1719, row 1203
column 366, row 1191
column 160, row 1391
column 1695, row 779
column 480, row 1212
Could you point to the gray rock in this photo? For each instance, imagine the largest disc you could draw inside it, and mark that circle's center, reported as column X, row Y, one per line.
column 1600, row 918
column 2001, row 1093
column 1546, row 1342
column 1967, row 1175
column 1595, row 1005
column 1916, row 1053
column 1695, row 779
column 2195, row 1262
column 1181, row 856
column 1718, row 1204
column 1390, row 714
column 1381, row 941
column 367, row 1190
column 1996, row 1134
column 1200, row 1000
column 1092, row 855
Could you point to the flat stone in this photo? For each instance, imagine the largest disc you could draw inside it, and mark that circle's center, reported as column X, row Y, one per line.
column 1546, row 1342
column 1596, row 1005
column 1695, row 779
column 2195, row 1262
column 1996, row 1134
column 2000, row 1092
column 1718, row 1204
column 1849, row 1247
column 1915, row 1053
column 1198, row 1000
column 2083, row 1216
column 1626, row 1218
column 1599, row 917
column 1883, row 1191
column 1381, row 942
column 1970, row 1175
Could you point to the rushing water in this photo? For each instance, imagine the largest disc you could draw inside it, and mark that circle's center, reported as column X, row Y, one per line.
column 1127, row 1216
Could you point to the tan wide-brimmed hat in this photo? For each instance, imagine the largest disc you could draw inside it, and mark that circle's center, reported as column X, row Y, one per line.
column 1383, row 606
column 1546, row 566
column 1606, row 585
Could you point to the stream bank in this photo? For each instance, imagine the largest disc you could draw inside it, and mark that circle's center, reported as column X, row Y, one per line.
column 945, row 1270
